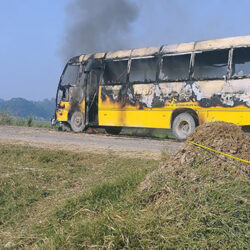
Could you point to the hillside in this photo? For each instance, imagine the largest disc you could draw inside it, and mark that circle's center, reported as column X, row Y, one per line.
column 40, row 110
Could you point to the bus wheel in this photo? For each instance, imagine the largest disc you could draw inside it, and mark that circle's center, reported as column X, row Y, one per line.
column 77, row 122
column 183, row 126
column 113, row 130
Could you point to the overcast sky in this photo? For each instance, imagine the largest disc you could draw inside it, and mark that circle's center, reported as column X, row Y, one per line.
column 34, row 34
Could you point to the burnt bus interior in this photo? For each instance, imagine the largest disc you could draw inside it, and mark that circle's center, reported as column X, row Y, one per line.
column 93, row 80
column 83, row 79
column 68, row 79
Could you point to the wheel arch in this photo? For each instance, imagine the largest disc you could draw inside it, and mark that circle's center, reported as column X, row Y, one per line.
column 176, row 112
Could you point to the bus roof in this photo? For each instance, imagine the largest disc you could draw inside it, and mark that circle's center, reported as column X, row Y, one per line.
column 223, row 43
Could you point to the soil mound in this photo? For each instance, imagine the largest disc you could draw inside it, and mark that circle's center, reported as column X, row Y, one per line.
column 191, row 162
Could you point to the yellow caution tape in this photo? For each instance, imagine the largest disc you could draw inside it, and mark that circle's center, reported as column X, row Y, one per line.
column 216, row 151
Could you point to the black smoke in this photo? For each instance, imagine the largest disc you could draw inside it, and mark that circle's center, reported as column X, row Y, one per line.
column 97, row 26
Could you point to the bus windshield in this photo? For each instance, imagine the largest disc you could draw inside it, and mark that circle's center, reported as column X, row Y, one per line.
column 70, row 75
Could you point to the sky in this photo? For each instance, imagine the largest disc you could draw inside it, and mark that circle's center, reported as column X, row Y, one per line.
column 33, row 35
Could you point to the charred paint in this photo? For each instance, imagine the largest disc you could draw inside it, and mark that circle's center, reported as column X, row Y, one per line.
column 204, row 94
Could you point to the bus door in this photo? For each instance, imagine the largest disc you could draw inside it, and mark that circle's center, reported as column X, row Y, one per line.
column 93, row 81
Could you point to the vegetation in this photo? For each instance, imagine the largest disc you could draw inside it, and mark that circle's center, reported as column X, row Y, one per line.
column 9, row 120
column 19, row 107
column 57, row 199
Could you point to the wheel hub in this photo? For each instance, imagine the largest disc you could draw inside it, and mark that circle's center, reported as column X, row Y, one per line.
column 184, row 127
column 78, row 121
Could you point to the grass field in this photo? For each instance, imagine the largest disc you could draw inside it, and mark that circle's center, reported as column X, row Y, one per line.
column 64, row 200
column 9, row 120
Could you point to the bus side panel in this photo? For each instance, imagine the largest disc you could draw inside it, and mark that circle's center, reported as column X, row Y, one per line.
column 240, row 117
column 229, row 102
column 140, row 106
column 151, row 105
column 135, row 118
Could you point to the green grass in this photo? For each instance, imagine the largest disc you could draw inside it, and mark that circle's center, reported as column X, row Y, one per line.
column 6, row 119
column 42, row 192
column 64, row 200
column 43, row 124
column 9, row 120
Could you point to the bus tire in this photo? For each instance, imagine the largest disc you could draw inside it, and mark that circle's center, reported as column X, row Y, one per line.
column 183, row 126
column 113, row 130
column 77, row 122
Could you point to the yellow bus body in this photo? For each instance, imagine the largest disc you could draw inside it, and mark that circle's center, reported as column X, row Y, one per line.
column 114, row 114
column 131, row 104
column 110, row 114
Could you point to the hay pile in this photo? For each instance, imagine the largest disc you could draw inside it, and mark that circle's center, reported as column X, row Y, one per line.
column 192, row 163
column 198, row 198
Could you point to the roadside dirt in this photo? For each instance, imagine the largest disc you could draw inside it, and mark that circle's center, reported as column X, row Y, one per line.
column 99, row 143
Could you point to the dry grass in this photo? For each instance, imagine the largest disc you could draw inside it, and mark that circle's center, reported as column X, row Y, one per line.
column 64, row 200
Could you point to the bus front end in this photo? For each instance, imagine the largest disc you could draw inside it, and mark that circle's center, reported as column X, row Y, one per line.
column 70, row 101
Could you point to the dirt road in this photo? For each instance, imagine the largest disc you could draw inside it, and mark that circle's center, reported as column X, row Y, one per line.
column 47, row 138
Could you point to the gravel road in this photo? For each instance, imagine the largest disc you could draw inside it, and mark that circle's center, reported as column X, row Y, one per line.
column 102, row 143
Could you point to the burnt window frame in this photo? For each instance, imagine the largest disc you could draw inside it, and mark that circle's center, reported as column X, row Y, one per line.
column 64, row 70
column 103, row 83
column 177, row 54
column 141, row 58
column 213, row 78
column 231, row 64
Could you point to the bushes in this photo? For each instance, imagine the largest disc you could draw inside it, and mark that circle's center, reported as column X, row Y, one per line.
column 29, row 121
column 9, row 120
column 6, row 119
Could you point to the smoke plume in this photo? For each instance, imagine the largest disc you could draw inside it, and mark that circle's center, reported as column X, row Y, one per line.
column 97, row 26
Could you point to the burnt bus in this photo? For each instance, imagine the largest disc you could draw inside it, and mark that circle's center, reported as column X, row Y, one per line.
column 174, row 87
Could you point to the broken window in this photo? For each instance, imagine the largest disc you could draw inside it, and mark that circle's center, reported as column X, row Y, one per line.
column 143, row 70
column 175, row 68
column 70, row 75
column 241, row 63
column 211, row 65
column 115, row 72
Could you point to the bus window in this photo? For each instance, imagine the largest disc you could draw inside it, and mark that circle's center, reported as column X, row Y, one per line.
column 143, row 70
column 115, row 72
column 175, row 68
column 70, row 76
column 241, row 63
column 211, row 65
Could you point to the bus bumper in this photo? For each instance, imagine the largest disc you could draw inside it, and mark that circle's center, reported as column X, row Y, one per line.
column 53, row 121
